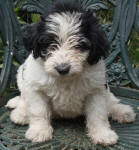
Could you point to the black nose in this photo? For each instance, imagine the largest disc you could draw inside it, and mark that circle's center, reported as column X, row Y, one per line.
column 63, row 69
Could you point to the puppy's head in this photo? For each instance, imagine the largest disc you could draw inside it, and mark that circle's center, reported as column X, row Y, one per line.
column 66, row 39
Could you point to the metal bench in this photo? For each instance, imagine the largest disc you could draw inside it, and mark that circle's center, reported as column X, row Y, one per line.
column 122, row 77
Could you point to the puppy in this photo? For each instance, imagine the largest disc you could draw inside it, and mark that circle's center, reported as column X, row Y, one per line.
column 64, row 76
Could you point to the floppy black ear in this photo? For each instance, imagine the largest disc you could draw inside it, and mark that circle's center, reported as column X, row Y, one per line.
column 94, row 33
column 34, row 38
column 30, row 39
column 99, row 47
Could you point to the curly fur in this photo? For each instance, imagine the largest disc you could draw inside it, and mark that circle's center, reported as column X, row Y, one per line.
column 64, row 76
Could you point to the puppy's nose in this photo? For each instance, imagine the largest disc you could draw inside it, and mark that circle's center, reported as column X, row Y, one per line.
column 63, row 69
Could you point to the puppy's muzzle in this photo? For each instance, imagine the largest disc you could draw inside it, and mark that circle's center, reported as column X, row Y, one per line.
column 63, row 69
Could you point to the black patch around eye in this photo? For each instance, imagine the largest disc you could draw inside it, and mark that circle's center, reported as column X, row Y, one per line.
column 83, row 46
column 43, row 52
column 92, row 30
column 44, row 42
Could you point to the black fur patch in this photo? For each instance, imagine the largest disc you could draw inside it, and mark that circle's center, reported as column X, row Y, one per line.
column 37, row 39
column 93, row 32
column 106, row 86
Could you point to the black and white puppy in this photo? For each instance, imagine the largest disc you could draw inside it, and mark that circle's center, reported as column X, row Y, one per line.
column 65, row 76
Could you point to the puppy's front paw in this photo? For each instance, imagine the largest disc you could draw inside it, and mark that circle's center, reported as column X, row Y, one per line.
column 39, row 134
column 104, row 137
column 19, row 116
column 123, row 113
column 12, row 103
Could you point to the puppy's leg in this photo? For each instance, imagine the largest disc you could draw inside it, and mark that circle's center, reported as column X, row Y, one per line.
column 40, row 129
column 120, row 112
column 12, row 103
column 97, row 121
column 20, row 115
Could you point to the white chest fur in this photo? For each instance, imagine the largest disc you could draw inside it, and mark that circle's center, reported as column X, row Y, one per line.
column 67, row 98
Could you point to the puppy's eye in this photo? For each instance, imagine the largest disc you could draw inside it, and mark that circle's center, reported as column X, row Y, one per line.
column 49, row 54
column 53, row 47
column 43, row 52
column 77, row 47
column 83, row 46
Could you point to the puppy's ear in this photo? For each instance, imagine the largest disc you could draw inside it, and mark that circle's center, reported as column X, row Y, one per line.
column 99, row 43
column 100, row 47
column 31, row 38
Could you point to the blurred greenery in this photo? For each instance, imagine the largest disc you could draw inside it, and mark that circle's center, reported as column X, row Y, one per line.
column 104, row 15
